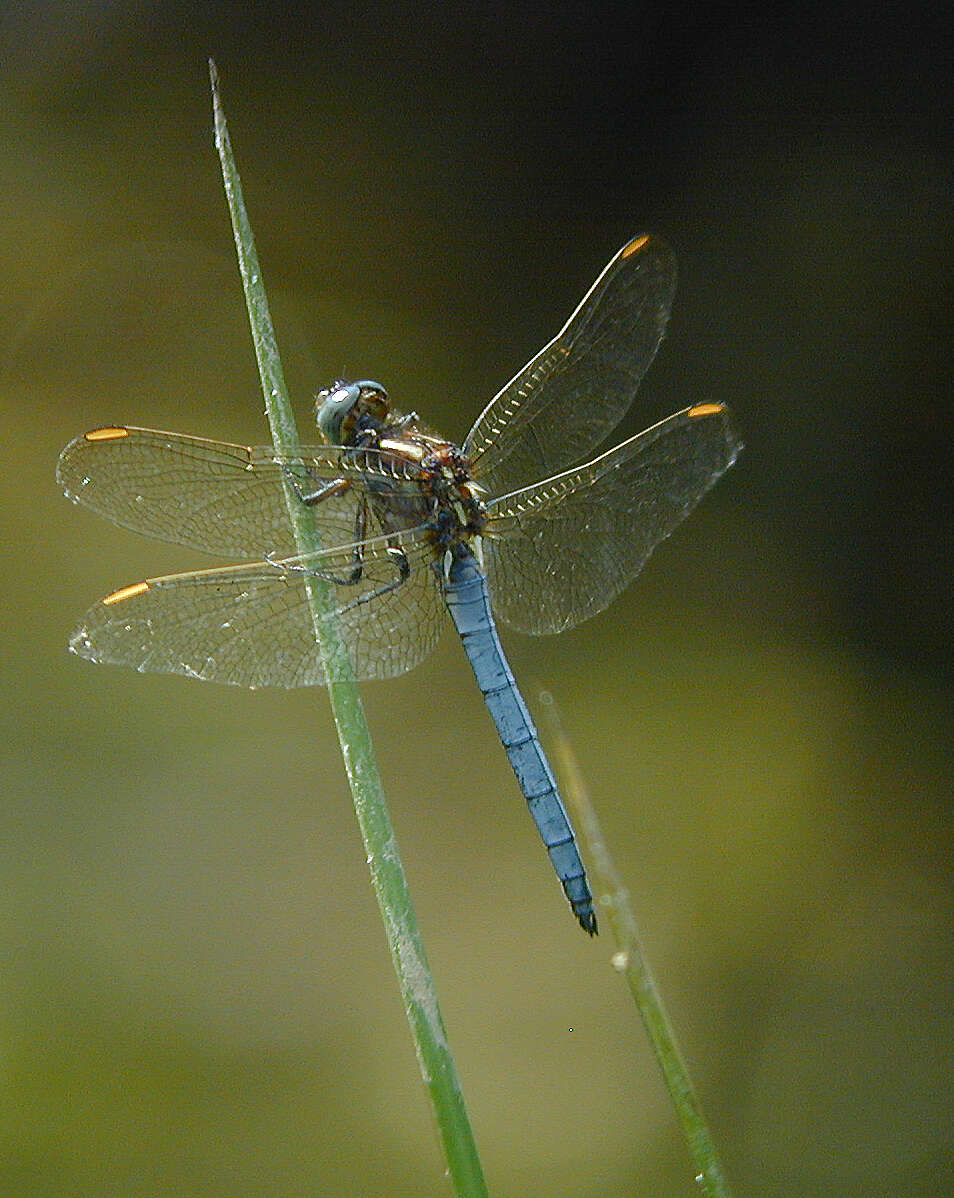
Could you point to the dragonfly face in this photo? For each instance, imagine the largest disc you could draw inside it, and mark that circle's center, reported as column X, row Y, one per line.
column 407, row 522
column 343, row 412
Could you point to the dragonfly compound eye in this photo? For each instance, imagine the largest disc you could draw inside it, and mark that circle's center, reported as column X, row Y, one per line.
column 332, row 406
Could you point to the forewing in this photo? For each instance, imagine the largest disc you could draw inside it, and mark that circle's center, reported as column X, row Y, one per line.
column 251, row 625
column 217, row 497
column 562, row 550
column 568, row 398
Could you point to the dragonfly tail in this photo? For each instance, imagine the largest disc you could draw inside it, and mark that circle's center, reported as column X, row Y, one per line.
column 466, row 594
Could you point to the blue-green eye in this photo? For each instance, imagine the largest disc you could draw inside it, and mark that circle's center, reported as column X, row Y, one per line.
column 332, row 406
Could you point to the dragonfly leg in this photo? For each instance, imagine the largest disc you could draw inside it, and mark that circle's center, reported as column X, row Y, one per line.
column 360, row 528
column 292, row 567
column 324, row 491
column 399, row 560
column 396, row 556
column 357, row 555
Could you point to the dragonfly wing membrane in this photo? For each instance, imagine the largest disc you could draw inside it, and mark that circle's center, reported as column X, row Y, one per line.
column 251, row 625
column 568, row 398
column 562, row 550
column 214, row 496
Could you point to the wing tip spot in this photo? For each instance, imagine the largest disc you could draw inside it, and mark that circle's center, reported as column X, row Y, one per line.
column 635, row 246
column 106, row 434
column 136, row 588
column 706, row 409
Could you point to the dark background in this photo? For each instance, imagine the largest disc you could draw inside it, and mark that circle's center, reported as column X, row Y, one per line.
column 197, row 997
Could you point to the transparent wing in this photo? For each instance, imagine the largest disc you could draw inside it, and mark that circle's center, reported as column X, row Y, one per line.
column 251, row 625
column 568, row 398
column 217, row 497
column 562, row 550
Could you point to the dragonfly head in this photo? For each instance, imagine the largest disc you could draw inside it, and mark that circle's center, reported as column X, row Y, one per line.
column 343, row 409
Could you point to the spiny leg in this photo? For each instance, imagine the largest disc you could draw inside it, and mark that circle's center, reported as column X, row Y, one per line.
column 398, row 559
column 396, row 555
column 324, row 491
column 312, row 499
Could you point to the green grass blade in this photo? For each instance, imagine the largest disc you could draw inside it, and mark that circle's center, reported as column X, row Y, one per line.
column 613, row 902
column 387, row 873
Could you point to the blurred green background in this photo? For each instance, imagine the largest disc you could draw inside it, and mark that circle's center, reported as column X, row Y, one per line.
column 196, row 997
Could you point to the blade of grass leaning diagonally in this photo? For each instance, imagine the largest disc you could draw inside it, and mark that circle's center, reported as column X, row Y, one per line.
column 387, row 873
column 629, row 960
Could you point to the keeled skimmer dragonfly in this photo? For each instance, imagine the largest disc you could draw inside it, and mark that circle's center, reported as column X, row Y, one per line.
column 521, row 521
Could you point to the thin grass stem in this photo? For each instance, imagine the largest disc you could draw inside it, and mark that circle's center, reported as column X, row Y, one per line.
column 629, row 960
column 387, row 873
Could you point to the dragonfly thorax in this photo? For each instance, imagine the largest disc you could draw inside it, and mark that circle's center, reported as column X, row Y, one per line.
column 358, row 415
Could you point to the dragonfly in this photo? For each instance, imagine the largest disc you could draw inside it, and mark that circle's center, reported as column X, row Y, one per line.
column 521, row 522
